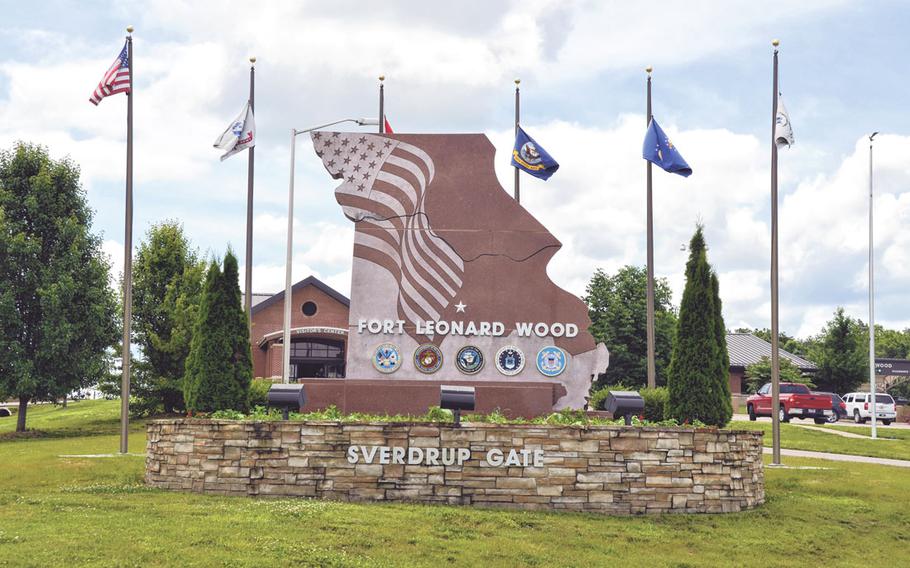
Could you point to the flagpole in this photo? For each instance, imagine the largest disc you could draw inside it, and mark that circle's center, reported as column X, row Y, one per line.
column 127, row 259
column 381, row 104
column 652, row 371
column 517, row 191
column 775, row 354
column 873, row 402
column 248, row 297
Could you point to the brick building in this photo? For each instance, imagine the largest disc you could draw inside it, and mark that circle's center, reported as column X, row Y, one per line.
column 319, row 331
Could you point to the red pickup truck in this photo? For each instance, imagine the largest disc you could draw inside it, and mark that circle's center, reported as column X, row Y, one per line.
column 796, row 401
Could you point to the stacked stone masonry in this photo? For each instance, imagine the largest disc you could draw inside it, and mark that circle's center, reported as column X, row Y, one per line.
column 604, row 469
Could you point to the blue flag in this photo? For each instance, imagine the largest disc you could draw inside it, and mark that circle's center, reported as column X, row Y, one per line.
column 659, row 150
column 530, row 157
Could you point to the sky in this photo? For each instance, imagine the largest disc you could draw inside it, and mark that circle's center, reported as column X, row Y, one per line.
column 450, row 68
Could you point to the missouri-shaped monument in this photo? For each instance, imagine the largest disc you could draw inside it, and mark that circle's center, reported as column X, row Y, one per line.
column 449, row 277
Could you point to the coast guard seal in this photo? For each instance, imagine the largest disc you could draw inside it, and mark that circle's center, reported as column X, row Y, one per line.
column 428, row 358
column 387, row 358
column 469, row 360
column 551, row 361
column 510, row 360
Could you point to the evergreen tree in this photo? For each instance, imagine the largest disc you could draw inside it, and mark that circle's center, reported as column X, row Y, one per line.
column 219, row 367
column 617, row 306
column 57, row 310
column 166, row 288
column 698, row 377
column 722, row 382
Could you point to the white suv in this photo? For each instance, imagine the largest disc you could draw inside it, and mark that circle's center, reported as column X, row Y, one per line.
column 858, row 407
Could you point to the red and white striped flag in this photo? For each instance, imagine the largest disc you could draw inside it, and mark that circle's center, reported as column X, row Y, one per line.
column 116, row 79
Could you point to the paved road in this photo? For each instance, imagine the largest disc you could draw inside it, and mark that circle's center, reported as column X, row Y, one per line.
column 842, row 422
column 840, row 457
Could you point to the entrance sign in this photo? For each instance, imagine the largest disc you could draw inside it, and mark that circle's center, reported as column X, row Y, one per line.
column 892, row 367
column 444, row 257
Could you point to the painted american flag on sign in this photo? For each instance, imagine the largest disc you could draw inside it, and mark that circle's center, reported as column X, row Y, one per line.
column 116, row 79
column 384, row 190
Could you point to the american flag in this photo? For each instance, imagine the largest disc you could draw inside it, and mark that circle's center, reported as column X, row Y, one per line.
column 116, row 79
column 385, row 188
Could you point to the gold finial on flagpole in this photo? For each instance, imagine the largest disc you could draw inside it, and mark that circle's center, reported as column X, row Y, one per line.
column 517, row 82
column 129, row 29
column 648, row 69
column 252, row 60
column 775, row 42
column 381, row 78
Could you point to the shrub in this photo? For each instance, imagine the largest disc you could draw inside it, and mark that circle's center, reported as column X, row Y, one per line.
column 598, row 397
column 259, row 392
column 655, row 403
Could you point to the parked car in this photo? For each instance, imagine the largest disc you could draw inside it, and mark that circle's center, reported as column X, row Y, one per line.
column 796, row 401
column 858, row 407
column 838, row 406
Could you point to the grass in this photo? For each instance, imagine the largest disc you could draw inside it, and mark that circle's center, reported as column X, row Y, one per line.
column 796, row 438
column 77, row 511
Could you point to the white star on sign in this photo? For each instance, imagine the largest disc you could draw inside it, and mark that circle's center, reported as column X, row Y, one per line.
column 459, row 307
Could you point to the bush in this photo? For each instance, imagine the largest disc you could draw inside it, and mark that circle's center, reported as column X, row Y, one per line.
column 598, row 397
column 655, row 403
column 259, row 392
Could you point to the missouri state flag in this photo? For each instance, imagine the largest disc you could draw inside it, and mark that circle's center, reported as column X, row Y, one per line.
column 529, row 156
column 659, row 150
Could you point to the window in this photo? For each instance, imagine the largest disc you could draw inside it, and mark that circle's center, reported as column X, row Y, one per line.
column 765, row 389
column 309, row 308
column 317, row 349
column 884, row 399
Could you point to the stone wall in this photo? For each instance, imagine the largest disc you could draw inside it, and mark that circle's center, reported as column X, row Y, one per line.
column 606, row 469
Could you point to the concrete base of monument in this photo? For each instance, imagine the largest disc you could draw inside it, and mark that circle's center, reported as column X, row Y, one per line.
column 405, row 396
column 603, row 469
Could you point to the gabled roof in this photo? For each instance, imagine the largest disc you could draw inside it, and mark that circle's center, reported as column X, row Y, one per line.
column 308, row 281
column 745, row 349
column 258, row 298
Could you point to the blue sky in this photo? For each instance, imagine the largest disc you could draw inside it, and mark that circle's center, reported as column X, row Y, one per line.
column 843, row 74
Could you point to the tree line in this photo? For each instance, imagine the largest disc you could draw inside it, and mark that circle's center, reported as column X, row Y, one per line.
column 617, row 310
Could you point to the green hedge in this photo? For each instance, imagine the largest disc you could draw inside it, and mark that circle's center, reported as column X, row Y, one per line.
column 259, row 392
column 655, row 400
column 655, row 403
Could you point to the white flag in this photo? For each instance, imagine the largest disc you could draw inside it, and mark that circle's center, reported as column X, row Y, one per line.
column 783, row 131
column 240, row 135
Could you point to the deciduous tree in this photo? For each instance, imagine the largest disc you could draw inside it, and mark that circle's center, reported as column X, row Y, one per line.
column 167, row 284
column 618, row 311
column 57, row 310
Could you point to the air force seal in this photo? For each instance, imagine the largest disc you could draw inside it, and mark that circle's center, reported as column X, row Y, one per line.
column 469, row 360
column 510, row 360
column 428, row 358
column 387, row 358
column 551, row 361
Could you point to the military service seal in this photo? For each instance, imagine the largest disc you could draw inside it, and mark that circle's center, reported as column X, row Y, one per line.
column 551, row 361
column 469, row 360
column 510, row 360
column 387, row 358
column 428, row 358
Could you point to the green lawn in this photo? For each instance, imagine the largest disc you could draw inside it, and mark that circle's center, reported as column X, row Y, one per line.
column 79, row 511
column 796, row 438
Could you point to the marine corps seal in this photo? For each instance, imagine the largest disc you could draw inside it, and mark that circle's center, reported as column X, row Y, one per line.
column 428, row 358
